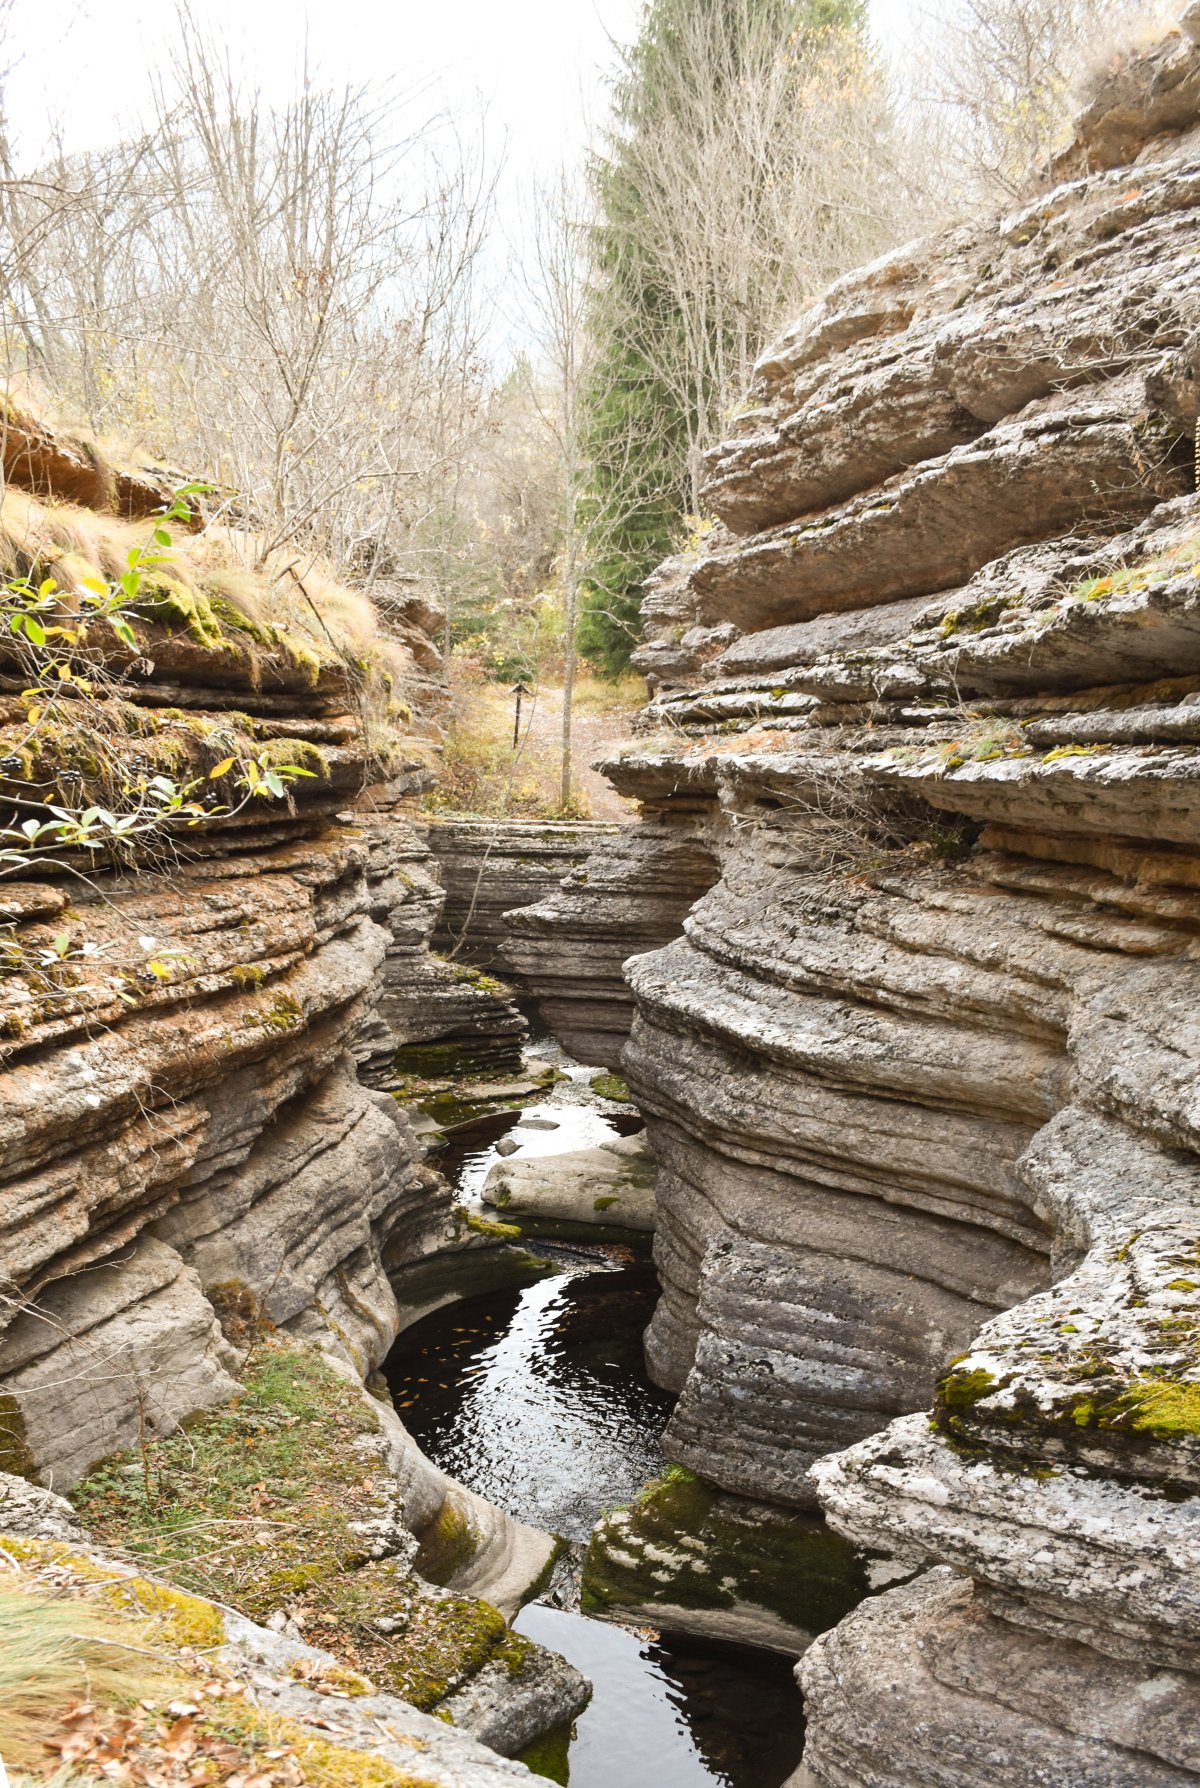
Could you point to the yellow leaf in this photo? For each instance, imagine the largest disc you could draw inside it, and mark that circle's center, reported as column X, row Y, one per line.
column 221, row 769
column 159, row 970
column 95, row 584
column 33, row 715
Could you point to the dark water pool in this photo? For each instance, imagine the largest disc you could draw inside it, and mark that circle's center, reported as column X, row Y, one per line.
column 672, row 1713
column 538, row 1399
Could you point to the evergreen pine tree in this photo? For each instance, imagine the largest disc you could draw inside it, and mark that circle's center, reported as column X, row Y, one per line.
column 650, row 398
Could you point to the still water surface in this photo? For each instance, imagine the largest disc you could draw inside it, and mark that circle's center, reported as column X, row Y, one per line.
column 539, row 1400
column 673, row 1713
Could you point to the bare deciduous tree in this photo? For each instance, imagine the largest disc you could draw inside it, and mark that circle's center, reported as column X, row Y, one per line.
column 992, row 82
column 283, row 298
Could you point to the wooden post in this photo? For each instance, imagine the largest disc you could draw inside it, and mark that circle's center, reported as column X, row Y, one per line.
column 519, row 690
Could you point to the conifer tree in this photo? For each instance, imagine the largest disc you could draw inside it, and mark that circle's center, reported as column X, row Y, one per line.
column 729, row 185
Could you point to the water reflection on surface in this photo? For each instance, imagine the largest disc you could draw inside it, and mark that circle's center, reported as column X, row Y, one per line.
column 470, row 1153
column 670, row 1713
column 538, row 1399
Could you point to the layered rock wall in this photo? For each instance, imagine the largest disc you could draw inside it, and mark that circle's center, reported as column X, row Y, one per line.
column 489, row 867
column 186, row 1143
column 570, row 948
column 921, row 1070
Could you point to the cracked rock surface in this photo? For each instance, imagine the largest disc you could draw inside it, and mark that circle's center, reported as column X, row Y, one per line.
column 920, row 1064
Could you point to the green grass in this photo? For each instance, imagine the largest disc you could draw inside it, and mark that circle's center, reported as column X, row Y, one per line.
column 254, row 1506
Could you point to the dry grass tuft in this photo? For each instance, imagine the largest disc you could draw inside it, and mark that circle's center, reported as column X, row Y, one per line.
column 54, row 1655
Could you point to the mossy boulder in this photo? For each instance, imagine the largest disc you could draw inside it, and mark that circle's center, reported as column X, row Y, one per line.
column 686, row 1555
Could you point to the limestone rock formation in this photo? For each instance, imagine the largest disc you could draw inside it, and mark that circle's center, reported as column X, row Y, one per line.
column 489, row 867
column 611, row 1185
column 571, row 947
column 920, row 1068
column 284, row 1690
column 185, row 1140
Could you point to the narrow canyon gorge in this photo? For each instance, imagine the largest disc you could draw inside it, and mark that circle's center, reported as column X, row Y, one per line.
column 881, row 1014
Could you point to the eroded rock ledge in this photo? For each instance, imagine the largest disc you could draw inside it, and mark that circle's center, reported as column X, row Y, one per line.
column 185, row 1135
column 920, row 1068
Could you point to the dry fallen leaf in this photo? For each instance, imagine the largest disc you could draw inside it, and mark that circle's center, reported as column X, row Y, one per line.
column 180, row 1741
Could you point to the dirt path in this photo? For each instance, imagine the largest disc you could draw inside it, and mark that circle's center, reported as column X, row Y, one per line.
column 592, row 736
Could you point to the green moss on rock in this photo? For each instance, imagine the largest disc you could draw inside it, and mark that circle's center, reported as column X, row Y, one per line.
column 501, row 1232
column 686, row 1544
column 611, row 1086
column 448, row 1544
column 959, row 1390
column 549, row 1756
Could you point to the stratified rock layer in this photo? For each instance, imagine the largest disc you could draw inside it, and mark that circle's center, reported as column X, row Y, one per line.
column 184, row 1133
column 921, row 1068
column 488, row 867
column 571, row 948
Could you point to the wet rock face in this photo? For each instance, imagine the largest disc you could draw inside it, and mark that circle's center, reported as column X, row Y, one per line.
column 920, row 1067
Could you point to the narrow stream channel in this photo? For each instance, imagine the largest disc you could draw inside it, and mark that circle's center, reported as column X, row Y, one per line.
column 539, row 1400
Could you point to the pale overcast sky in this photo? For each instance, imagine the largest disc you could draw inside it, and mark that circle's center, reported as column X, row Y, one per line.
column 536, row 67
column 538, row 64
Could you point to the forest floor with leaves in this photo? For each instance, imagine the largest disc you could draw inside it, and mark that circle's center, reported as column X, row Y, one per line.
column 482, row 774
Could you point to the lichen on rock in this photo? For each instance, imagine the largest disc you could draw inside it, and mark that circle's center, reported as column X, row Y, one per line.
column 919, row 1061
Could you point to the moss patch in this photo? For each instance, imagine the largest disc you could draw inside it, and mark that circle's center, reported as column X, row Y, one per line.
column 256, row 1504
column 325, row 1765
column 611, row 1086
column 501, row 1232
column 685, row 1544
column 299, row 754
column 448, row 1544
column 549, row 1756
column 962, row 1390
